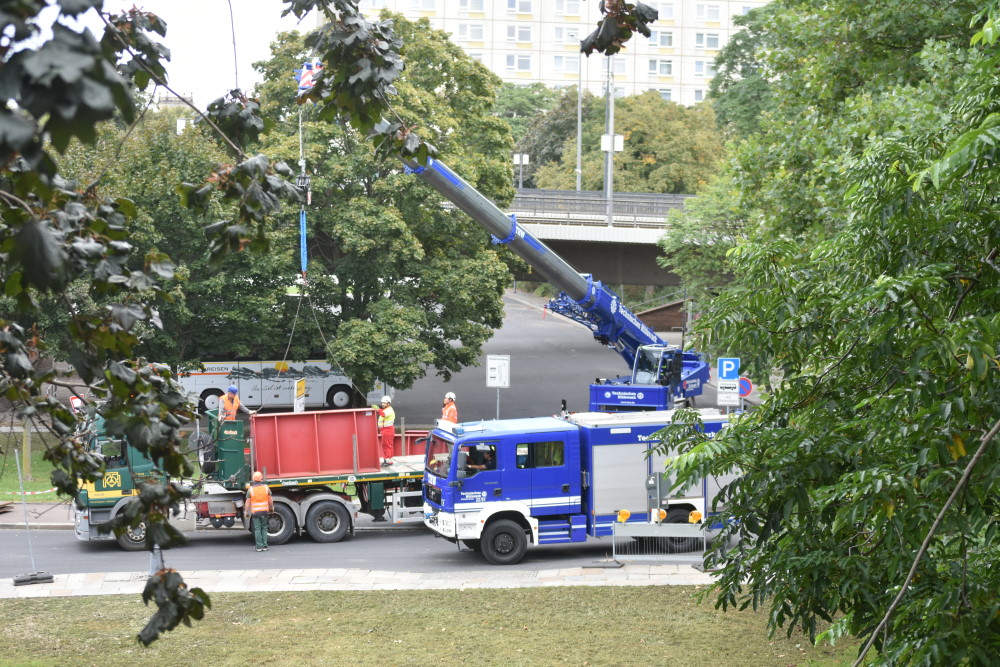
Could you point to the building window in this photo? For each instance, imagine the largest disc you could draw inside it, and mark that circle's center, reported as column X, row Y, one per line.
column 665, row 9
column 470, row 32
column 567, row 64
column 661, row 39
column 745, row 9
column 519, row 62
column 704, row 68
column 570, row 7
column 422, row 5
column 520, row 6
column 666, row 94
column 706, row 40
column 518, row 32
column 699, row 95
column 372, row 4
column 661, row 67
column 470, row 5
column 706, row 12
column 567, row 35
column 475, row 55
column 618, row 64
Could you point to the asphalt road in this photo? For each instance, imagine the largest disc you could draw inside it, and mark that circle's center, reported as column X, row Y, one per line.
column 407, row 549
column 551, row 358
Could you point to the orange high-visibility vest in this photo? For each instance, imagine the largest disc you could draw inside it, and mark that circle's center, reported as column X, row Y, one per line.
column 227, row 408
column 260, row 498
column 449, row 413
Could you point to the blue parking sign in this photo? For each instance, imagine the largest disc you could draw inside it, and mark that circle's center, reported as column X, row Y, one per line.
column 729, row 368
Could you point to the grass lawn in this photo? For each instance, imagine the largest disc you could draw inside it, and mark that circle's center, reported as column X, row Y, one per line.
column 40, row 469
column 527, row 626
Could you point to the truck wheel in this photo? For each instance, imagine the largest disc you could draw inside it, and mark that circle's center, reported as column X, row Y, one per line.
column 133, row 539
column 680, row 544
column 280, row 524
column 327, row 521
column 339, row 397
column 209, row 400
column 504, row 543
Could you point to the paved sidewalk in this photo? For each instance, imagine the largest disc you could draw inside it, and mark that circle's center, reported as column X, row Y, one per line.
column 344, row 579
column 41, row 516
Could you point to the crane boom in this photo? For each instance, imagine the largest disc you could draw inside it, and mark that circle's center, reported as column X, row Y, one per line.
column 581, row 299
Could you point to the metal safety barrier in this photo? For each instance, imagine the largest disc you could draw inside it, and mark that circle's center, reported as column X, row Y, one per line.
column 647, row 541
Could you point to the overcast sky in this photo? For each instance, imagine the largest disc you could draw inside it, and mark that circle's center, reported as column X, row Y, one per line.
column 200, row 39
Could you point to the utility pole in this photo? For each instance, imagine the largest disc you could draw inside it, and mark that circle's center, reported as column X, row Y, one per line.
column 579, row 125
column 609, row 142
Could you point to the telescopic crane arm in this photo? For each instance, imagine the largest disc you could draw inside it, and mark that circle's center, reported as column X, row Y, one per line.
column 582, row 299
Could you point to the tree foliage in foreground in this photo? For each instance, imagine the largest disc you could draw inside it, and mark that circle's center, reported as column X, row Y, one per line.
column 868, row 481
column 56, row 234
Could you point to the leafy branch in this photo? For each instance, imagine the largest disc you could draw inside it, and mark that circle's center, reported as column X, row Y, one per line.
column 984, row 443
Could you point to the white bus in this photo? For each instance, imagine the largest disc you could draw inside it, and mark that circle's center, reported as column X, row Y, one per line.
column 271, row 384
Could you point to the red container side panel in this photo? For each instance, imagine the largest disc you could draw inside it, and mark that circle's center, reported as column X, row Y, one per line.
column 302, row 444
column 405, row 444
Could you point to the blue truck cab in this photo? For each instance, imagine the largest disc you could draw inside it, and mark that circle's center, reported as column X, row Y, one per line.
column 498, row 486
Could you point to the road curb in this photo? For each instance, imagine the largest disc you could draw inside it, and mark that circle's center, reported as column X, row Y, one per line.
column 38, row 526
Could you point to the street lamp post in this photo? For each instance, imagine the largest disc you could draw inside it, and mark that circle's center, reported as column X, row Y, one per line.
column 610, row 143
column 520, row 159
column 579, row 125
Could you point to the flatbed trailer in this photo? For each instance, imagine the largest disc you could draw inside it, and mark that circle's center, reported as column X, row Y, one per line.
column 323, row 468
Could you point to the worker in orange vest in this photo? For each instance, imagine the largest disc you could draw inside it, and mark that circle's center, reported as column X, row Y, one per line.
column 386, row 428
column 230, row 404
column 449, row 411
column 259, row 504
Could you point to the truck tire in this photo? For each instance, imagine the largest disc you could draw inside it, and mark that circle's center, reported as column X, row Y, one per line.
column 209, row 400
column 133, row 539
column 280, row 524
column 327, row 521
column 504, row 543
column 680, row 544
column 339, row 397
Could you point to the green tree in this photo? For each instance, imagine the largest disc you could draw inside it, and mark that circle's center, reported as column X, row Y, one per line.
column 698, row 238
column 236, row 306
column 866, row 483
column 836, row 72
column 552, row 135
column 396, row 282
column 521, row 106
column 740, row 91
column 668, row 148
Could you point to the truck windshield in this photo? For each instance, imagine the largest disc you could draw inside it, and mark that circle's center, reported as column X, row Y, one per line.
column 438, row 456
column 647, row 366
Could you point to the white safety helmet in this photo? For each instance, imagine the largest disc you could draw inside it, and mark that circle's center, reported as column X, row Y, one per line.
column 386, row 399
column 450, row 395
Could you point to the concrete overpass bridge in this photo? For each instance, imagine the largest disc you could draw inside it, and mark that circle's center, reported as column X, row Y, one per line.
column 575, row 226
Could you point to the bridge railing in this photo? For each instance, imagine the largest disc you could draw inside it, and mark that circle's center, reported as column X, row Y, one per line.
column 590, row 207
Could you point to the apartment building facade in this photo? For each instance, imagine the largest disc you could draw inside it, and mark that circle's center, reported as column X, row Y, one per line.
column 528, row 41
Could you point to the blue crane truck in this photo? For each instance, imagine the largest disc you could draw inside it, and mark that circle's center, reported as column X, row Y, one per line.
column 498, row 486
column 662, row 374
